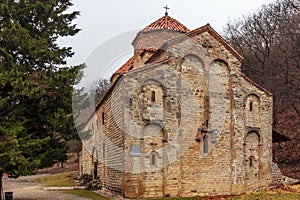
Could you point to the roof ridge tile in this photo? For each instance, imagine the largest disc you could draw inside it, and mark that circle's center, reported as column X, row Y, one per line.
column 166, row 22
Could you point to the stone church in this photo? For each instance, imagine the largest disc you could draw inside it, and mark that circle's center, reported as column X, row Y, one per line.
column 181, row 120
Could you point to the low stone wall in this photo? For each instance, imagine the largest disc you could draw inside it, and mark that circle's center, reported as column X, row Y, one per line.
column 278, row 178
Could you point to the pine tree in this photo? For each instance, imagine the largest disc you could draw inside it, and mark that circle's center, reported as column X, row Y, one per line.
column 35, row 93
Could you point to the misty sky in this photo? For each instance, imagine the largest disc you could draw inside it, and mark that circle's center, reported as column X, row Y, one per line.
column 109, row 26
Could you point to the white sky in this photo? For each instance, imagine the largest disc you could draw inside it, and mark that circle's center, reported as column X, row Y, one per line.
column 102, row 20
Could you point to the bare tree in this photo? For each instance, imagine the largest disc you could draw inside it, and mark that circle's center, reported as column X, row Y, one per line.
column 99, row 88
column 270, row 42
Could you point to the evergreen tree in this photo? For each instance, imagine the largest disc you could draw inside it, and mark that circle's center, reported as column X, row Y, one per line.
column 35, row 94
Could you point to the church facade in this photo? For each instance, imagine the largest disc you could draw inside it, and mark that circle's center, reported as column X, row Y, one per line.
column 180, row 120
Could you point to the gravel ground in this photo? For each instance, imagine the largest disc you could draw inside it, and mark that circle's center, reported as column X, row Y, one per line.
column 24, row 188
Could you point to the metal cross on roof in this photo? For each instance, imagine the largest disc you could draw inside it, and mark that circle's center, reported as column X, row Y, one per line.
column 166, row 7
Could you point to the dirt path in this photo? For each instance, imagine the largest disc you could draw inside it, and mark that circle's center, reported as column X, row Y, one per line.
column 24, row 188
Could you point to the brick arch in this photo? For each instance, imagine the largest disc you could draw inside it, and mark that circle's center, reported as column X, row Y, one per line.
column 193, row 56
column 221, row 64
column 154, row 82
column 192, row 50
column 190, row 55
column 152, row 122
column 253, row 95
column 252, row 132
column 157, row 126
column 165, row 100
column 219, row 60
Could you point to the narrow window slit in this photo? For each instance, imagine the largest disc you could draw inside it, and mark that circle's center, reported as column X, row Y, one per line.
column 251, row 106
column 153, row 96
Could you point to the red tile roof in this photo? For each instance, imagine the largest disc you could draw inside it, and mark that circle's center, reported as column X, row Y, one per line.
column 124, row 68
column 151, row 49
column 166, row 22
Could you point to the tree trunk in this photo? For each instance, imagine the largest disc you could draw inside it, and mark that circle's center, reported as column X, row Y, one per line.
column 1, row 188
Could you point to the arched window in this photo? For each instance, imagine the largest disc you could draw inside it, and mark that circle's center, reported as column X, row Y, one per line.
column 153, row 159
column 153, row 96
column 250, row 106
column 251, row 161
column 205, row 144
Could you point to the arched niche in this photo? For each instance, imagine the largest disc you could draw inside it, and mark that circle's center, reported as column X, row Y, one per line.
column 154, row 140
column 191, row 63
column 219, row 97
column 218, row 75
column 154, row 132
column 252, row 111
column 253, row 139
column 193, row 88
column 153, row 100
column 252, row 159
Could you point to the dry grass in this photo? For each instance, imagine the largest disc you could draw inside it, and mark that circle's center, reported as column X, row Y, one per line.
column 64, row 180
column 281, row 193
column 86, row 194
column 58, row 180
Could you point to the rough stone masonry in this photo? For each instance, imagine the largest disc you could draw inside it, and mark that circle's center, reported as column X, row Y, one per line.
column 180, row 120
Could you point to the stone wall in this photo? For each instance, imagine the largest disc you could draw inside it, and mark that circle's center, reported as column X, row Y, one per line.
column 152, row 124
column 89, row 141
column 279, row 179
column 146, row 43
column 104, row 149
column 191, row 75
column 255, row 154
column 189, row 125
